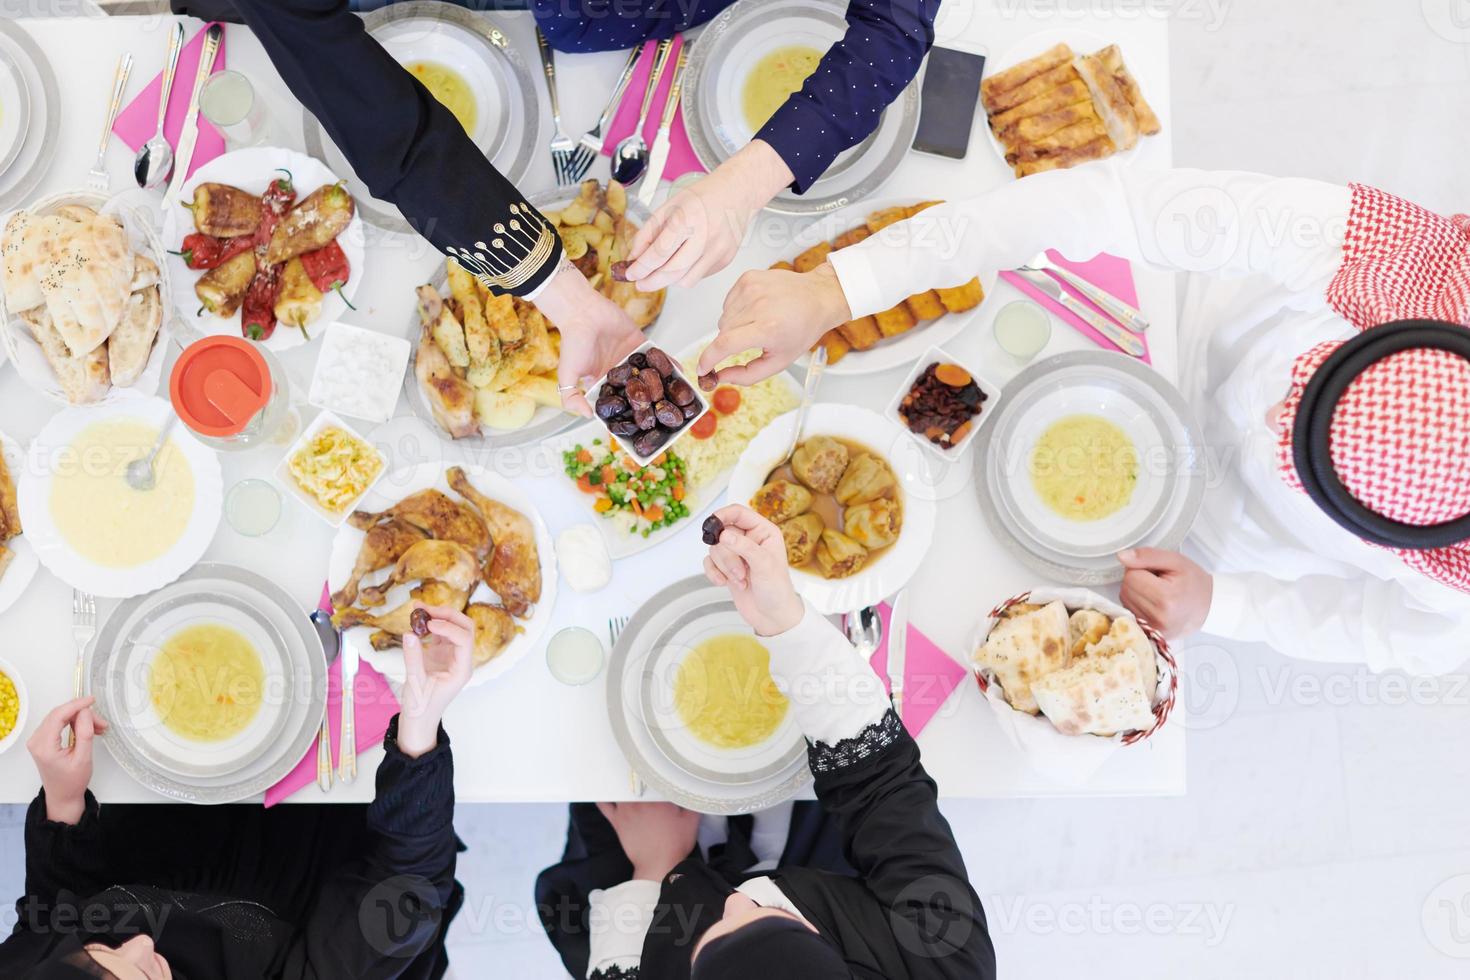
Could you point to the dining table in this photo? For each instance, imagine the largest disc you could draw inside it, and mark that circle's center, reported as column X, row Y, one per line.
column 525, row 736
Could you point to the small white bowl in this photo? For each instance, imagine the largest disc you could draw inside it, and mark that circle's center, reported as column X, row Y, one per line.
column 338, row 354
column 939, row 355
column 284, row 478
column 627, row 444
column 8, row 669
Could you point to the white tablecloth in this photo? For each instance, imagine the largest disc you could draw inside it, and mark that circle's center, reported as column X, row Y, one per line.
column 525, row 737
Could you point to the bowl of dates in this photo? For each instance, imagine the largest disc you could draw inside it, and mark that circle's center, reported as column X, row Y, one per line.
column 646, row 402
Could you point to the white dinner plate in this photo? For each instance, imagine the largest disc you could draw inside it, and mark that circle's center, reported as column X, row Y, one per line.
column 22, row 568
column 50, row 452
column 393, row 487
column 252, row 170
column 15, row 108
column 907, row 347
column 891, row 570
column 38, row 140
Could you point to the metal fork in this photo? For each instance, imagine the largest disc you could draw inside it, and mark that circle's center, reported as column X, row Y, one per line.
column 98, row 179
column 562, row 146
column 83, row 630
column 590, row 145
column 615, row 627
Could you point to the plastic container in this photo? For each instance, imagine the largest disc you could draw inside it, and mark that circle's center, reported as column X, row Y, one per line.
column 232, row 394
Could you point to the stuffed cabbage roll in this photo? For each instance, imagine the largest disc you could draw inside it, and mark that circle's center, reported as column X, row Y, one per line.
column 781, row 500
column 874, row 524
column 867, row 478
column 839, row 555
column 801, row 534
column 819, row 463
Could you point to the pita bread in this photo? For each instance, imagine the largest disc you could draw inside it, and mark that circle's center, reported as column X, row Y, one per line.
column 131, row 343
column 1024, row 649
column 1086, row 627
column 83, row 379
column 85, row 273
column 145, row 273
column 76, row 212
column 1097, row 695
column 21, row 244
column 1019, row 609
column 1125, row 636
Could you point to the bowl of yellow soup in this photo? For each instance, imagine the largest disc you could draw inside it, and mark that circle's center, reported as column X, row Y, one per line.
column 13, row 702
column 93, row 530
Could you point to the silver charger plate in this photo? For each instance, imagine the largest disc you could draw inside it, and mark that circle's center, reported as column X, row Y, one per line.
column 625, row 680
column 547, row 422
column 20, row 178
column 302, row 700
column 1176, row 463
column 15, row 112
column 508, row 142
column 725, row 53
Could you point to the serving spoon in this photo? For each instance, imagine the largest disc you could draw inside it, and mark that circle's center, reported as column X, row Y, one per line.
column 140, row 473
column 630, row 156
column 155, row 158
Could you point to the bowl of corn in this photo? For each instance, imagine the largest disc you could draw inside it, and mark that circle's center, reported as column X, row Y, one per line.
column 12, row 706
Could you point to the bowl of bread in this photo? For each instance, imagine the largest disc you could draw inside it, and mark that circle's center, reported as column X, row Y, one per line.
column 1070, row 672
column 84, row 298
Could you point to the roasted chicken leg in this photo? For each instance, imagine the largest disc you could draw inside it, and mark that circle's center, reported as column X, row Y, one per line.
column 438, row 516
column 514, row 568
column 395, row 620
column 384, row 544
column 450, row 397
column 439, row 561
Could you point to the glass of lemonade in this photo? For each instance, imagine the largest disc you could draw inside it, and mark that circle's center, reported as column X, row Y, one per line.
column 1022, row 329
column 575, row 656
column 233, row 107
column 253, row 507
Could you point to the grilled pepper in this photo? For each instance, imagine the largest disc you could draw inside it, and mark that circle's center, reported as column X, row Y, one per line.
column 201, row 251
column 300, row 301
column 320, row 217
column 222, row 288
column 258, row 312
column 225, row 211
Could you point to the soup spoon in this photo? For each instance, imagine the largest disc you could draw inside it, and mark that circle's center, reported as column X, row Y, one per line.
column 156, row 158
column 140, row 472
column 630, row 156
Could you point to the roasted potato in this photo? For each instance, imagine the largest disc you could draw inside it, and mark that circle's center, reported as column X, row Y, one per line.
column 503, row 410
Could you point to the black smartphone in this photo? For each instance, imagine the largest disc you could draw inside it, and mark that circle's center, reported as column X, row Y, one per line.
column 949, row 97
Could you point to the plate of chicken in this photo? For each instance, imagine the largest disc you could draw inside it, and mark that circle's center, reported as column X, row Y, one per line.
column 462, row 537
column 267, row 244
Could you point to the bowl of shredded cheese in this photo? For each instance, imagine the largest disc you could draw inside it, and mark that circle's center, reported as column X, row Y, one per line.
column 12, row 706
column 330, row 468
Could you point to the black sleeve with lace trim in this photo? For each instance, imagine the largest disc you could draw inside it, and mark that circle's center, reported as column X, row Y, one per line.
column 615, row 973
column 904, row 850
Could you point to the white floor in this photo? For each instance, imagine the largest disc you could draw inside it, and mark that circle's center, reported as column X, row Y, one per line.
column 1327, row 828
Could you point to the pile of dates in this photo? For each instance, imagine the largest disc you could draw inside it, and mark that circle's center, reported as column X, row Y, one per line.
column 645, row 400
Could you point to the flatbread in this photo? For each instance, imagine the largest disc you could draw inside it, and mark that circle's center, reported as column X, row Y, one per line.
column 83, row 379
column 1024, row 649
column 20, row 243
column 131, row 343
column 145, row 272
column 1097, row 695
column 1086, row 627
column 85, row 272
column 1125, row 636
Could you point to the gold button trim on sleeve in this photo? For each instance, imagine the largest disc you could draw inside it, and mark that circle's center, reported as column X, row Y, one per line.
column 519, row 249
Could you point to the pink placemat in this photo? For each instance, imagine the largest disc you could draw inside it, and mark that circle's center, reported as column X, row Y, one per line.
column 1107, row 272
column 376, row 704
column 138, row 121
column 681, row 156
column 930, row 675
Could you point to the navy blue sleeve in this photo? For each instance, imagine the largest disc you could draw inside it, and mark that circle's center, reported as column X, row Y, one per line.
column 842, row 102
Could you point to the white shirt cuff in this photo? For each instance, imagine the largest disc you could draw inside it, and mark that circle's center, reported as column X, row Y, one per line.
column 859, row 285
column 834, row 692
column 1228, row 602
column 619, row 921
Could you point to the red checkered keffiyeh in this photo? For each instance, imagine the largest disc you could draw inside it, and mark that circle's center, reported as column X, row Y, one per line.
column 1400, row 437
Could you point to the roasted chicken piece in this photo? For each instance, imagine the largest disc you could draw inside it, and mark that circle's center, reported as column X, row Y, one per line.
column 819, row 462
column 801, row 534
column 495, row 627
column 781, row 500
column 450, row 397
column 514, row 568
column 9, row 515
column 874, row 524
column 438, row 516
column 382, row 547
column 394, row 622
column 839, row 556
column 439, row 561
column 867, row 478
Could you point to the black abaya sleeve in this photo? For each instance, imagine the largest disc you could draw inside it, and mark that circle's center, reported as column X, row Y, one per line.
column 404, row 145
column 62, row 857
column 904, row 851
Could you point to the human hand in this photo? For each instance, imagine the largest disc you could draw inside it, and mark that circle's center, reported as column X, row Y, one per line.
column 655, row 836
column 1167, row 589
column 595, row 334
column 436, row 669
column 697, row 232
column 750, row 560
column 65, row 772
column 780, row 313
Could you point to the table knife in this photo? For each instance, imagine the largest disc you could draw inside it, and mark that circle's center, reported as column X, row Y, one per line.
column 347, row 750
column 189, row 135
column 898, row 638
column 1125, row 313
column 658, row 157
column 1116, row 335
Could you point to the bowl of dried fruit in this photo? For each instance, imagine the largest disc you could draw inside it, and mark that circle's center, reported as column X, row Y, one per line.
column 647, row 403
column 941, row 403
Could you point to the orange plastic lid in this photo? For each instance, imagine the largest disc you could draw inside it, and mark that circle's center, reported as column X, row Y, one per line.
column 219, row 384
